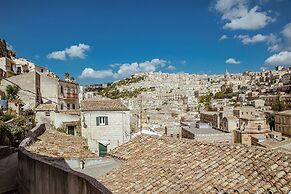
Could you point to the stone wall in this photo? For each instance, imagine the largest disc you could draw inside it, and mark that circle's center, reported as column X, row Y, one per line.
column 8, row 169
column 28, row 92
column 40, row 174
column 49, row 89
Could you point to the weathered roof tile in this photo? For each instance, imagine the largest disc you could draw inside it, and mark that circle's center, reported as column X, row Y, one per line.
column 102, row 105
column 164, row 165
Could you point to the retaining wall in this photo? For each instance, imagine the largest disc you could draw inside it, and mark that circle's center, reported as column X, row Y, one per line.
column 40, row 174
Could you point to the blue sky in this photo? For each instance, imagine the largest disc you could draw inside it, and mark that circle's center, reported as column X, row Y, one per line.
column 98, row 41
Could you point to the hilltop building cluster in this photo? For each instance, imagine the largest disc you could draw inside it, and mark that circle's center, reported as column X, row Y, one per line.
column 251, row 107
column 160, row 132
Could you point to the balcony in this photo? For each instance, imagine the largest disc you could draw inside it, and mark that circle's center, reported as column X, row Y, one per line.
column 68, row 96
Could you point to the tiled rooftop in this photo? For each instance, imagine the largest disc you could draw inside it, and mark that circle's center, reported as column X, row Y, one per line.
column 101, row 105
column 46, row 107
column 56, row 144
column 164, row 165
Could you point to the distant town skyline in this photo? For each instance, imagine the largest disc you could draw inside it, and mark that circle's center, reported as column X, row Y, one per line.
column 101, row 41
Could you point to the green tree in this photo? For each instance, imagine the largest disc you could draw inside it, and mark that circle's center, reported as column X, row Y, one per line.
column 219, row 95
column 205, row 99
column 67, row 75
column 12, row 92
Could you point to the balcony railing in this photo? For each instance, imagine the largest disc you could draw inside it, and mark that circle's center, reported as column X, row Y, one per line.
column 70, row 95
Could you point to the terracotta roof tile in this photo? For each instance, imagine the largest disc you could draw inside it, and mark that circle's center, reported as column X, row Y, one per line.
column 164, row 165
column 56, row 144
column 110, row 105
column 46, row 107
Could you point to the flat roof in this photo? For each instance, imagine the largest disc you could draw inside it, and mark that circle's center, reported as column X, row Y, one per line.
column 209, row 130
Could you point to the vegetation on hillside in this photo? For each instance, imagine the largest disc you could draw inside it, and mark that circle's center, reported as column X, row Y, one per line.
column 206, row 100
column 130, row 80
column 227, row 94
column 114, row 93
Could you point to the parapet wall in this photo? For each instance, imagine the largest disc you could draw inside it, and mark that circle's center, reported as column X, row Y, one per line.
column 40, row 174
column 8, row 169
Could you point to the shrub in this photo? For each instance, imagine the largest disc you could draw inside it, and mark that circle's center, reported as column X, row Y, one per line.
column 6, row 117
column 61, row 129
column 11, row 134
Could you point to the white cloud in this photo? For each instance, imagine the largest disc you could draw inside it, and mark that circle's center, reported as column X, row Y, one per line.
column 74, row 51
column 114, row 65
column 263, row 69
column 223, row 37
column 77, row 51
column 91, row 73
column 287, row 31
column 232, row 61
column 183, row 62
column 124, row 70
column 171, row 68
column 271, row 40
column 58, row 55
column 287, row 36
column 128, row 69
column 246, row 39
column 282, row 58
column 275, row 48
column 237, row 15
column 9, row 46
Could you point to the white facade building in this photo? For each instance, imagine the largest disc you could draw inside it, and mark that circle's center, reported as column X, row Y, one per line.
column 105, row 124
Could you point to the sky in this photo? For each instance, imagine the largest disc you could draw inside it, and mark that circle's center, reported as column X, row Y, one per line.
column 105, row 40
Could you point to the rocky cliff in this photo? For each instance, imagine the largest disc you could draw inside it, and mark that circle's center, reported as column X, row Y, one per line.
column 4, row 51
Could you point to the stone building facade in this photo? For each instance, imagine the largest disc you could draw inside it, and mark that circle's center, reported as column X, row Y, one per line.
column 283, row 122
column 29, row 87
column 105, row 124
column 62, row 93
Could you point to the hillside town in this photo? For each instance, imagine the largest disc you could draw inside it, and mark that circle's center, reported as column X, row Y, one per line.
column 152, row 132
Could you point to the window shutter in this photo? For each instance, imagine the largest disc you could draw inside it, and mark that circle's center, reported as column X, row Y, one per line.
column 97, row 121
column 106, row 120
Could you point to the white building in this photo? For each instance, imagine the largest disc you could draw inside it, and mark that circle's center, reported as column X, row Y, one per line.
column 105, row 124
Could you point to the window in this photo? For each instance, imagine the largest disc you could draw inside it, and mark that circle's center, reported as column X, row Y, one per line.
column 259, row 127
column 101, row 120
column 18, row 70
column 62, row 90
column 68, row 106
column 178, row 136
column 172, row 135
column 47, row 113
column 62, row 106
column 73, row 106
